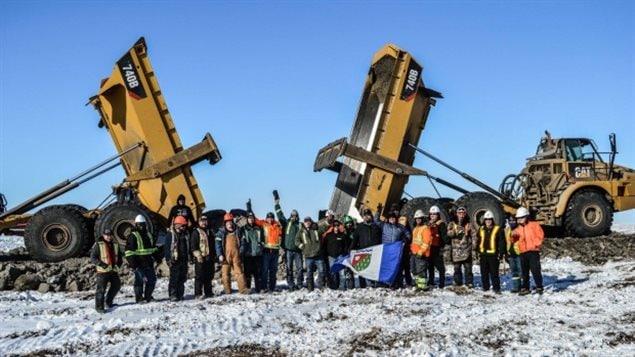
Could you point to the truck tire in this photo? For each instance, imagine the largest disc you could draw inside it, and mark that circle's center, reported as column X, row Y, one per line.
column 120, row 216
column 589, row 214
column 477, row 203
column 56, row 233
column 424, row 204
column 90, row 221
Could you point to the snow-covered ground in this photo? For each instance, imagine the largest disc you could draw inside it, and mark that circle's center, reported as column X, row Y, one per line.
column 585, row 310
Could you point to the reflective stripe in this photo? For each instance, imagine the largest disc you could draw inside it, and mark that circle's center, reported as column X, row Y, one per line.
column 421, row 240
column 492, row 240
column 141, row 250
column 273, row 235
column 103, row 256
column 508, row 239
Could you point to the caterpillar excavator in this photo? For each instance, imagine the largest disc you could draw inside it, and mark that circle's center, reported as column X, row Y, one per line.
column 133, row 111
column 567, row 184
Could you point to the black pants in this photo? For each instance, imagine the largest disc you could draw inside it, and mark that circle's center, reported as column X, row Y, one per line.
column 178, row 276
column 405, row 264
column 203, row 275
column 531, row 261
column 436, row 261
column 489, row 271
column 252, row 268
column 459, row 267
column 103, row 280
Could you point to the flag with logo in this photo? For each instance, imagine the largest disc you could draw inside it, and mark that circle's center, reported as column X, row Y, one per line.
column 379, row 262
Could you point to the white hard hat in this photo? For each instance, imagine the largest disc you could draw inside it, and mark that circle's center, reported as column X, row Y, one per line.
column 419, row 214
column 488, row 215
column 522, row 212
column 139, row 219
column 435, row 209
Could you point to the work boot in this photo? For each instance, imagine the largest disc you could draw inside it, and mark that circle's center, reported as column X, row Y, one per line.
column 523, row 291
column 173, row 299
column 100, row 310
column 138, row 294
column 540, row 290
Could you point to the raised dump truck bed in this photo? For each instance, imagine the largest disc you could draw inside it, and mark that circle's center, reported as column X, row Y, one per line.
column 392, row 113
column 134, row 112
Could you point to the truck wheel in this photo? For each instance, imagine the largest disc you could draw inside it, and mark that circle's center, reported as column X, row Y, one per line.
column 477, row 203
column 424, row 204
column 120, row 216
column 588, row 214
column 56, row 233
column 90, row 221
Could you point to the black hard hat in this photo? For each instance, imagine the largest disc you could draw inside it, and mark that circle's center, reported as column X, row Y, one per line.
column 270, row 215
column 108, row 231
column 367, row 212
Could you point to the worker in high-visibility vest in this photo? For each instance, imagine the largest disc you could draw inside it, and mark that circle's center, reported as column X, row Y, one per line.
column 271, row 250
column 513, row 253
column 140, row 253
column 203, row 250
column 107, row 257
column 491, row 247
column 420, row 251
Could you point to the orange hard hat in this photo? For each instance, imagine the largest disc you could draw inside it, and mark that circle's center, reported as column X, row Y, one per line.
column 228, row 217
column 180, row 220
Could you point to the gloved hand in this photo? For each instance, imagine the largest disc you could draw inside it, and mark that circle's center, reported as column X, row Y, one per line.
column 199, row 259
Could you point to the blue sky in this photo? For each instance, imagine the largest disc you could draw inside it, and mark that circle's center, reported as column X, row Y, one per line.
column 273, row 82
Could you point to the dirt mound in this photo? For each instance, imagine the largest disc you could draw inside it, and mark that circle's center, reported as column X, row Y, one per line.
column 592, row 251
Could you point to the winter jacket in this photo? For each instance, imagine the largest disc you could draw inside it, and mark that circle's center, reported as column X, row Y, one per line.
column 336, row 244
column 460, row 236
column 491, row 241
column 366, row 235
column 272, row 233
column 202, row 244
column 421, row 241
column 140, row 249
column 107, row 257
column 530, row 237
column 308, row 240
column 184, row 211
column 252, row 240
column 221, row 237
column 393, row 232
column 324, row 226
column 439, row 233
column 177, row 247
column 291, row 229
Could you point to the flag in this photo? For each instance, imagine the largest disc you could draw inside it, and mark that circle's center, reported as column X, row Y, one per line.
column 378, row 263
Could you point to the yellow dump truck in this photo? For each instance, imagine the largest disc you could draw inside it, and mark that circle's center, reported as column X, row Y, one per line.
column 567, row 184
column 134, row 112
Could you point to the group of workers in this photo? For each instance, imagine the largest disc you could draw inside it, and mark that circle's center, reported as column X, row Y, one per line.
column 251, row 251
